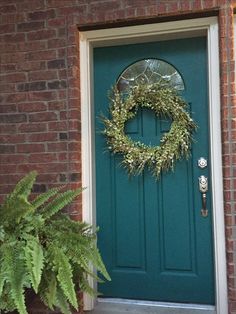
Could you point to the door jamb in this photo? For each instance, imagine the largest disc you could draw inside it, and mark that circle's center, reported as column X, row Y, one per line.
column 144, row 33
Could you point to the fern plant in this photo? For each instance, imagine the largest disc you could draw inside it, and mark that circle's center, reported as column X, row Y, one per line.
column 42, row 249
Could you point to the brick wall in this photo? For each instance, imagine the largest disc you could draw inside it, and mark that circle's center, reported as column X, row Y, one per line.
column 40, row 95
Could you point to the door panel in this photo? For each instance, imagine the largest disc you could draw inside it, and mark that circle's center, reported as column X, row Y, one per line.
column 153, row 239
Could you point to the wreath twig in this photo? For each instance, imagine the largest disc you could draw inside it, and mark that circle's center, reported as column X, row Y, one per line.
column 174, row 145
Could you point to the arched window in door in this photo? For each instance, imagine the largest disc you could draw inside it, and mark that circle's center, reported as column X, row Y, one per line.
column 149, row 71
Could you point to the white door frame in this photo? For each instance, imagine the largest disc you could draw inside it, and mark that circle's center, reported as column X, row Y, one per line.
column 145, row 33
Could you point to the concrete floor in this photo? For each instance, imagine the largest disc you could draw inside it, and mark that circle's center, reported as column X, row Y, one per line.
column 116, row 306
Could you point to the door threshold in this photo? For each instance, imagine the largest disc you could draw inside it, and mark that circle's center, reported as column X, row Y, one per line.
column 122, row 306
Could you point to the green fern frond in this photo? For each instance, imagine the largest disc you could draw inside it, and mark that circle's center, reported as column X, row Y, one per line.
column 23, row 187
column 15, row 210
column 7, row 304
column 63, row 222
column 3, row 276
column 51, row 291
column 85, row 287
column 48, row 289
column 43, row 198
column 34, row 260
column 61, row 302
column 95, row 257
column 60, row 202
column 80, row 246
column 2, row 281
column 15, row 276
column 86, row 252
column 53, row 256
column 65, row 276
column 2, row 233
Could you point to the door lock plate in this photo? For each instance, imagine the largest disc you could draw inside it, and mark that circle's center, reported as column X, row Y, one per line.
column 203, row 184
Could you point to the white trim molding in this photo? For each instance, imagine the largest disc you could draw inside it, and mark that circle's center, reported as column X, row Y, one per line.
column 148, row 33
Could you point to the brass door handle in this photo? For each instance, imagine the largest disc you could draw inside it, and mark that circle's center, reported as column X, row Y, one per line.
column 204, row 210
column 203, row 188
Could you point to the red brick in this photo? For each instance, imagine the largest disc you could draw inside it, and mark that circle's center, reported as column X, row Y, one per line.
column 185, row 6
column 32, row 5
column 41, row 15
column 12, row 98
column 13, row 118
column 76, row 217
column 74, row 125
column 7, row 149
column 75, row 166
column 74, row 156
column 30, row 26
column 62, row 32
column 42, row 167
column 73, row 103
column 7, row 128
column 7, row 88
column 57, row 84
column 32, row 107
column 74, row 146
column 41, row 34
column 57, row 126
column 57, row 105
column 42, row 137
column 12, row 138
column 32, row 127
column 75, row 135
column 12, row 78
column 42, row 158
column 57, row 22
column 32, row 46
column 41, row 55
column 74, row 93
column 7, row 108
column 14, row 159
column 12, row 18
column 8, row 8
column 7, row 28
column 32, row 86
column 5, row 68
column 62, row 157
column 57, row 147
column 31, row 65
column 56, row 42
column 12, row 57
column 12, row 38
column 72, row 114
column 42, row 116
column 172, row 7
column 30, row 148
column 62, row 53
column 48, row 178
column 42, row 95
column 62, row 94
column 61, row 3
column 56, row 64
column 10, row 178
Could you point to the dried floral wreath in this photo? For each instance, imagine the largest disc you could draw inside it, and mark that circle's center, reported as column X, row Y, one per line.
column 166, row 103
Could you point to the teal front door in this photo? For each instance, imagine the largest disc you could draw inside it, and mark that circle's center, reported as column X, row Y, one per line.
column 153, row 238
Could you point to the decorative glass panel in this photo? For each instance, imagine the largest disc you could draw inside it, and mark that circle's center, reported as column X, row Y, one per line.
column 149, row 71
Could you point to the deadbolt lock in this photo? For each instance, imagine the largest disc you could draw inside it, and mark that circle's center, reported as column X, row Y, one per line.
column 202, row 163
